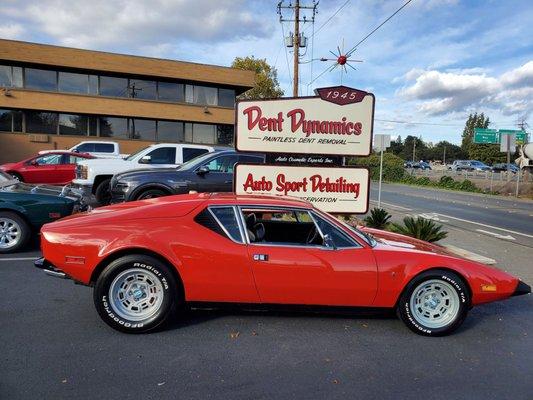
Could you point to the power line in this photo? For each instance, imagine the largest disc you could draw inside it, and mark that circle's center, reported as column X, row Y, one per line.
column 286, row 52
column 330, row 18
column 379, row 26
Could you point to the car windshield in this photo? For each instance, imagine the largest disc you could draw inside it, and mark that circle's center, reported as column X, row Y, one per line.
column 7, row 180
column 196, row 161
column 477, row 163
column 132, row 156
column 365, row 236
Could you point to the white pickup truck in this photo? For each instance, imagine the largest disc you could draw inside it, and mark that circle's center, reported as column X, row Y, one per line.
column 94, row 176
column 97, row 148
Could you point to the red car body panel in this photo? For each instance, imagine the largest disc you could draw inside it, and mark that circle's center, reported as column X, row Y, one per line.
column 214, row 268
column 53, row 174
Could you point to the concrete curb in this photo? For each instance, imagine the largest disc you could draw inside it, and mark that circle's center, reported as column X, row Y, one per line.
column 470, row 255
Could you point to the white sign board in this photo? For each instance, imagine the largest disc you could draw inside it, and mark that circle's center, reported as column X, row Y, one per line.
column 508, row 139
column 381, row 142
column 338, row 122
column 335, row 190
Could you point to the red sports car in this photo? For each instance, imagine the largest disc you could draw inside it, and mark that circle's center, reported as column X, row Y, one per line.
column 148, row 257
column 54, row 168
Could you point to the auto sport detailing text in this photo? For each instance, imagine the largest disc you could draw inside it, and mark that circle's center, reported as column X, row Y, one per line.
column 330, row 189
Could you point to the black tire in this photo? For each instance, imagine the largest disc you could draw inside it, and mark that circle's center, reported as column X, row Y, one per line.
column 411, row 317
column 10, row 220
column 16, row 176
column 109, row 309
column 103, row 192
column 151, row 194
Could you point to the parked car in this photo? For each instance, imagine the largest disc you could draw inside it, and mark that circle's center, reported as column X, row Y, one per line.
column 478, row 166
column 502, row 167
column 422, row 165
column 97, row 148
column 469, row 165
column 211, row 172
column 94, row 176
column 25, row 208
column 55, row 167
column 147, row 258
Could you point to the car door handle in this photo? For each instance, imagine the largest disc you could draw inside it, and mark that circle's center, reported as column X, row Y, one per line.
column 260, row 257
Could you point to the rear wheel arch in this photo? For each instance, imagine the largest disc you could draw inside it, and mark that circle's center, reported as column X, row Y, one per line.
column 133, row 251
column 16, row 175
column 434, row 269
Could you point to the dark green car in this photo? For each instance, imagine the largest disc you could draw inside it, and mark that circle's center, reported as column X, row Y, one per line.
column 25, row 208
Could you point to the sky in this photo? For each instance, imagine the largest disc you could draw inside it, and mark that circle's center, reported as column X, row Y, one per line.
column 430, row 66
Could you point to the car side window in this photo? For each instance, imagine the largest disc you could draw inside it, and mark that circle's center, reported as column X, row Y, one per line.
column 163, row 155
column 49, row 159
column 103, row 148
column 226, row 217
column 223, row 164
column 85, row 147
column 190, row 152
column 338, row 238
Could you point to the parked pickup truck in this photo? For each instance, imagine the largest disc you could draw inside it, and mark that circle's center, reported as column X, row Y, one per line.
column 96, row 148
column 94, row 176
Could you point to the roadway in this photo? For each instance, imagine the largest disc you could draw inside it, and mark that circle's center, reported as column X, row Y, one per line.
column 508, row 219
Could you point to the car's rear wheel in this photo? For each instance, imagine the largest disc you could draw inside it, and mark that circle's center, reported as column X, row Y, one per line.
column 136, row 294
column 103, row 192
column 151, row 194
column 17, row 176
column 435, row 303
column 14, row 232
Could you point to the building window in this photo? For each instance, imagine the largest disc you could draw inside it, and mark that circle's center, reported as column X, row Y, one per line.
column 225, row 134
column 226, row 97
column 73, row 83
column 93, row 84
column 41, row 79
column 6, row 121
column 202, row 95
column 114, row 87
column 168, row 91
column 70, row 124
column 170, row 131
column 10, row 76
column 143, row 129
column 203, row 134
column 114, row 127
column 41, row 122
column 141, row 89
column 93, row 124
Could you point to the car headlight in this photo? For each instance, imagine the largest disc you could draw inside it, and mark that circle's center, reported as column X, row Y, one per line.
column 82, row 171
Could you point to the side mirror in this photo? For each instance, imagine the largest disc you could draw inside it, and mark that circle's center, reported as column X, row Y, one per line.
column 34, row 163
column 204, row 169
column 145, row 160
column 328, row 242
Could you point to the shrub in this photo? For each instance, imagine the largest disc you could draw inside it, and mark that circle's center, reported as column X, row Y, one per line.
column 392, row 166
column 424, row 181
column 378, row 218
column 420, row 228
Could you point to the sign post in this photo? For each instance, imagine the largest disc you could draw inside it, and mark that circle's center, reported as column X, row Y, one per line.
column 508, row 144
column 306, row 139
column 381, row 142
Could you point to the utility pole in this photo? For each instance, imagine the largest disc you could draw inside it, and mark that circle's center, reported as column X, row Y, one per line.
column 414, row 149
column 298, row 39
column 444, row 157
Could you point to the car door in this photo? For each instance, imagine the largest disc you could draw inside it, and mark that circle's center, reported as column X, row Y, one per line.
column 288, row 269
column 216, row 175
column 42, row 169
column 65, row 170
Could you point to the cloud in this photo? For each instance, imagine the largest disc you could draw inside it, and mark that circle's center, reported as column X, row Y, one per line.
column 108, row 24
column 442, row 93
column 11, row 31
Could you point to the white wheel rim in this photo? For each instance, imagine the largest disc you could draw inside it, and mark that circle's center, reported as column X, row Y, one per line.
column 434, row 303
column 10, row 233
column 136, row 294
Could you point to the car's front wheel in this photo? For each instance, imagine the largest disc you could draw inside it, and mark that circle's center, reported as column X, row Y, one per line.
column 136, row 294
column 435, row 303
column 14, row 232
column 151, row 194
column 103, row 192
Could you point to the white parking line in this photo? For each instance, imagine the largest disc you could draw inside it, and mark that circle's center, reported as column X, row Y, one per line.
column 486, row 225
column 507, row 237
column 19, row 259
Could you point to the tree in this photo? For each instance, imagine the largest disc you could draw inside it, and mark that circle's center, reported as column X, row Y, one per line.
column 396, row 146
column 420, row 149
column 453, row 152
column 473, row 121
column 266, row 78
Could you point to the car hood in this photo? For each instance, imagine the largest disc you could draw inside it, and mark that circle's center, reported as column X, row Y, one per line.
column 145, row 172
column 47, row 190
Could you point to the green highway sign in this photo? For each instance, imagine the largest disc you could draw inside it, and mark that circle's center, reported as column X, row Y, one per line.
column 520, row 135
column 486, row 136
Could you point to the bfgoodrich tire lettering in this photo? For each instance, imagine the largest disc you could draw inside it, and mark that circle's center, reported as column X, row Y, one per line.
column 435, row 303
column 136, row 294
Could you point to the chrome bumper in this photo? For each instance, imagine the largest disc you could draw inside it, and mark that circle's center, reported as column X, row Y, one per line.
column 49, row 269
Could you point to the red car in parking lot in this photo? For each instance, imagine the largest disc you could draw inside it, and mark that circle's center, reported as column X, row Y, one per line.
column 54, row 168
column 146, row 258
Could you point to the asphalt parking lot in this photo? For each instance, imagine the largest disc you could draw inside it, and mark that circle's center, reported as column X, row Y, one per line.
column 54, row 345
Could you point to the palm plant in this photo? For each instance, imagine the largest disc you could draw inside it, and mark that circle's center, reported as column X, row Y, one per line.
column 378, row 218
column 420, row 228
